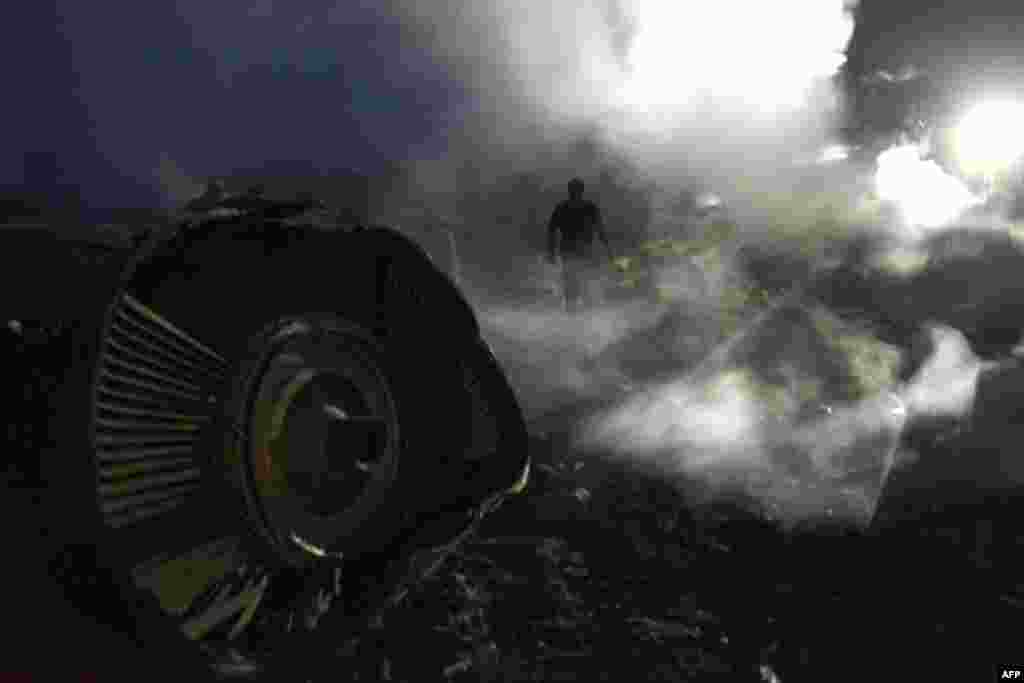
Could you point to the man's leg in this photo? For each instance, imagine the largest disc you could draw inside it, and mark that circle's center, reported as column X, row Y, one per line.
column 592, row 284
column 571, row 284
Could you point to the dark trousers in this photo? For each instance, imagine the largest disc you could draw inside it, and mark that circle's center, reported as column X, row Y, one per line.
column 578, row 280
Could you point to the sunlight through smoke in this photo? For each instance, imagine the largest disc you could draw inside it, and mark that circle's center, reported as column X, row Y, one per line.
column 762, row 55
column 927, row 196
column 989, row 139
column 733, row 93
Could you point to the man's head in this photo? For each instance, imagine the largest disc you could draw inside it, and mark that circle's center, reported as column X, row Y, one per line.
column 576, row 188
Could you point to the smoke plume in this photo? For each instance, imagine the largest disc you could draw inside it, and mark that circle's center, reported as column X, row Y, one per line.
column 729, row 92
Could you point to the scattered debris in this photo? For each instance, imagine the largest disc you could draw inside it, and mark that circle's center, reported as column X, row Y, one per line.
column 464, row 664
column 658, row 629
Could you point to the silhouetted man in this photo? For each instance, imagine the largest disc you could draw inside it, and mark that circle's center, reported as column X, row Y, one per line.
column 571, row 231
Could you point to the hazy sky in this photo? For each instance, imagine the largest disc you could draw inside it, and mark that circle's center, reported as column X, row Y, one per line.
column 96, row 93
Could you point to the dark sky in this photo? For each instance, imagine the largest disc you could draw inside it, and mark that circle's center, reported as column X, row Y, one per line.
column 98, row 92
column 102, row 91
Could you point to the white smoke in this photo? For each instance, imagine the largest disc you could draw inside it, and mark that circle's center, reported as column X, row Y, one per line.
column 723, row 433
column 760, row 57
column 705, row 425
column 927, row 196
column 641, row 55
column 731, row 430
column 946, row 384
column 545, row 350
column 723, row 88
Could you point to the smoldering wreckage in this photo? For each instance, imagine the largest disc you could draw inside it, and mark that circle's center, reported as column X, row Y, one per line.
column 213, row 474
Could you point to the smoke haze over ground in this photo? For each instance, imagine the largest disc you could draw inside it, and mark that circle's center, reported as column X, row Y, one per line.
column 679, row 98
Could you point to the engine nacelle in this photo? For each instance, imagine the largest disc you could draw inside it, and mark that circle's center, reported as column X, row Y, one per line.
column 263, row 415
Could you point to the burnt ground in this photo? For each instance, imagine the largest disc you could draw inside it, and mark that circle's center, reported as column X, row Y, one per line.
column 599, row 572
column 602, row 573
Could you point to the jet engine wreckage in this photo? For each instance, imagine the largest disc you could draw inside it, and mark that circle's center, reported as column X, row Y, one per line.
column 269, row 426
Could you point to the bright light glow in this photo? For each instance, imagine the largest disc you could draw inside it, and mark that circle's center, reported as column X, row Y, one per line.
column 990, row 138
column 927, row 196
column 833, row 154
column 708, row 201
column 762, row 55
